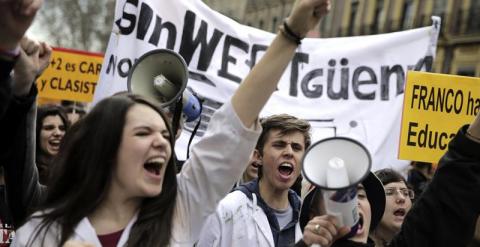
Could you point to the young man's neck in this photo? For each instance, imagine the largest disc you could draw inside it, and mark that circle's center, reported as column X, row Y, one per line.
column 275, row 198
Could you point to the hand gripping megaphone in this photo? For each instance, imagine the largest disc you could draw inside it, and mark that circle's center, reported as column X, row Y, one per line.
column 161, row 75
column 337, row 165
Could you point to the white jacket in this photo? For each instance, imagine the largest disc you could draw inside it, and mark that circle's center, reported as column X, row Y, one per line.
column 239, row 221
column 217, row 161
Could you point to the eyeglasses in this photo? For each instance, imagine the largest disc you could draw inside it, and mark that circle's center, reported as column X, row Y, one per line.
column 404, row 192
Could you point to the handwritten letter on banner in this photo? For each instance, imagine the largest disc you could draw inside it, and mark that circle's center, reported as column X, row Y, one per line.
column 344, row 86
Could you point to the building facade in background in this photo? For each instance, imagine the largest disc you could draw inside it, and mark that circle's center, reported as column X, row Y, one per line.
column 458, row 50
column 262, row 14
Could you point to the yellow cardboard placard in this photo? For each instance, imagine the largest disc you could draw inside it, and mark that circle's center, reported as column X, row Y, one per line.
column 434, row 108
column 71, row 75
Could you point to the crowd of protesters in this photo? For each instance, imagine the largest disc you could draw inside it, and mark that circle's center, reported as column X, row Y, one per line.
column 110, row 177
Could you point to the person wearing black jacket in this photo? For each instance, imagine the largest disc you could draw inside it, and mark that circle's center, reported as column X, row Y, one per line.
column 446, row 213
column 17, row 95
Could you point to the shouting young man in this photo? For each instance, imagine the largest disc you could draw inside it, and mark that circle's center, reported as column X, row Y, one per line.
column 265, row 211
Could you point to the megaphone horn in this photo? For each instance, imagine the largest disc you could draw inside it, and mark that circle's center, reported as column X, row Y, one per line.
column 328, row 161
column 160, row 75
column 337, row 165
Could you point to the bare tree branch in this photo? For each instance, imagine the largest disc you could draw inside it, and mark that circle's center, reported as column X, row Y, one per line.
column 78, row 24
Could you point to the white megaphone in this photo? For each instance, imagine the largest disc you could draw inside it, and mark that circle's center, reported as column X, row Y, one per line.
column 161, row 75
column 337, row 165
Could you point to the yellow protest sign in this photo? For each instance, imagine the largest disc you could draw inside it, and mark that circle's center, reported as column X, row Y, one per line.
column 71, row 75
column 435, row 107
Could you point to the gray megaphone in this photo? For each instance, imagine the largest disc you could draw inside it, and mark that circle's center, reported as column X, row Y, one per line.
column 337, row 165
column 161, row 75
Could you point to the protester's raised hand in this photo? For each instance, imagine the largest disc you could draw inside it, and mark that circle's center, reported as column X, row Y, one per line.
column 323, row 230
column 261, row 82
column 34, row 58
column 16, row 17
column 306, row 14
column 44, row 57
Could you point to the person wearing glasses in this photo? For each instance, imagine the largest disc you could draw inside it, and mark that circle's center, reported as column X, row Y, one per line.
column 398, row 202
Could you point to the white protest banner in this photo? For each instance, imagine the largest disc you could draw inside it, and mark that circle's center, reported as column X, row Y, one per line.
column 350, row 86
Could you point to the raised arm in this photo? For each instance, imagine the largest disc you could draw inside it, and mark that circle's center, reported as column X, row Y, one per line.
column 262, row 81
column 18, row 132
column 220, row 157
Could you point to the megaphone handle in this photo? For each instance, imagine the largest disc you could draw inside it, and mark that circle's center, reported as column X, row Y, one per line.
column 176, row 116
column 194, row 132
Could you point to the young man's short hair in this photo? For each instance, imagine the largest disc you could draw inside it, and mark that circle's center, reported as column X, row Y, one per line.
column 286, row 124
